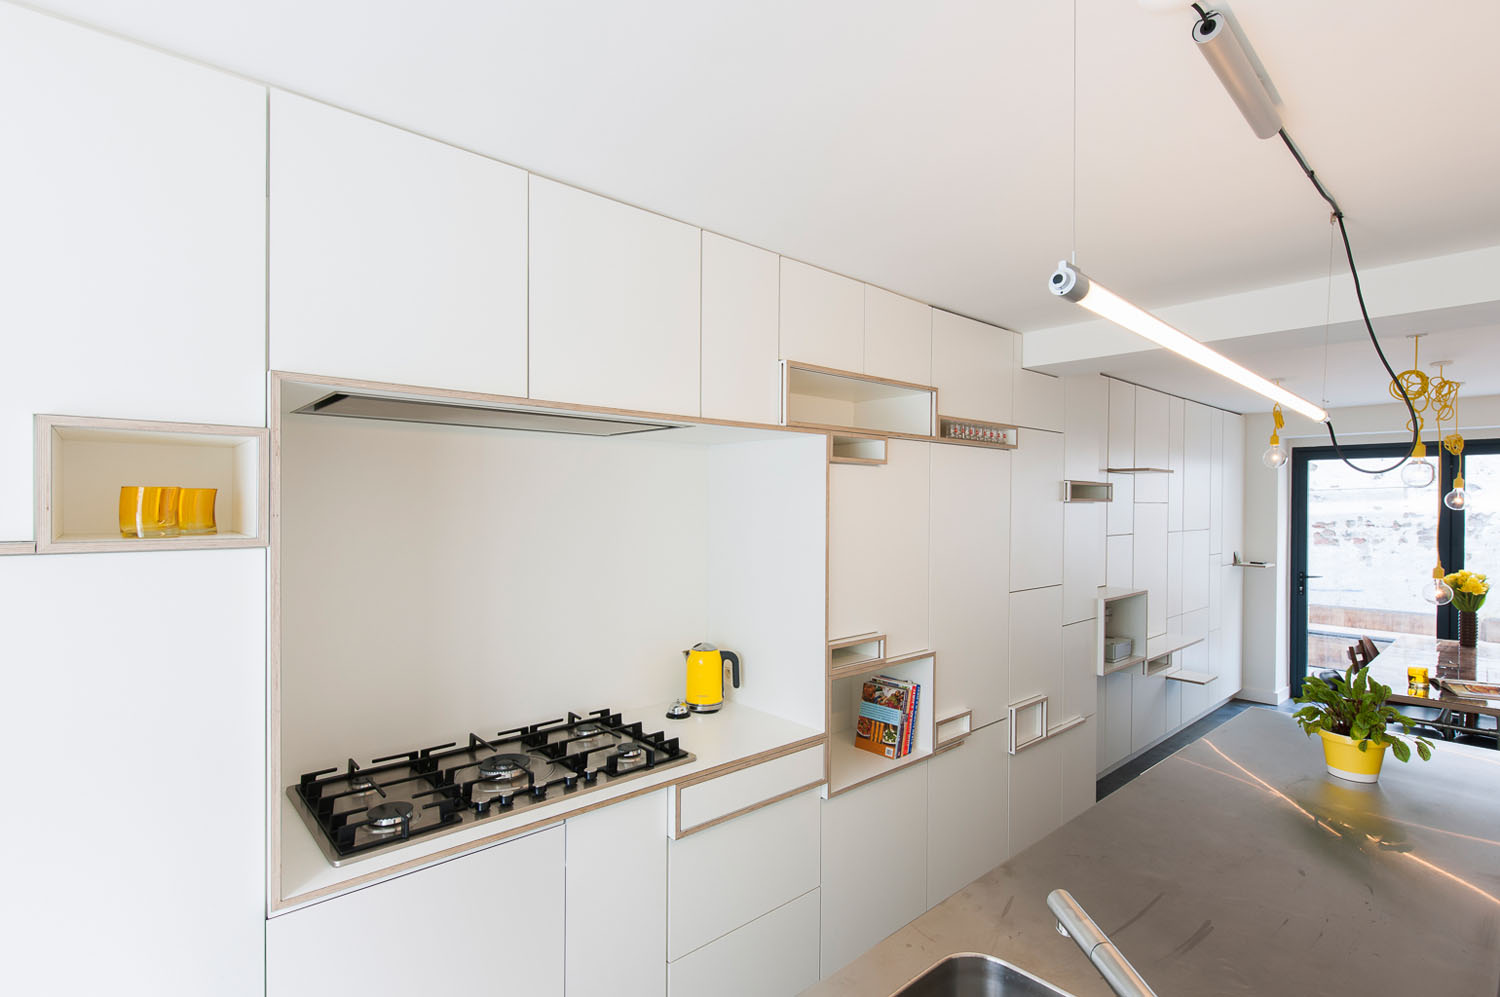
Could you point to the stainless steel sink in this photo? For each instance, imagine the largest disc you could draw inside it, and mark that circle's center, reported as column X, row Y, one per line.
column 970, row 974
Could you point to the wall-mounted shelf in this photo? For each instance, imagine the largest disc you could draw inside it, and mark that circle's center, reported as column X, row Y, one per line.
column 1121, row 614
column 1237, row 563
column 856, row 448
column 1088, row 491
column 824, row 398
column 81, row 464
column 855, row 655
column 1139, row 470
column 849, row 766
column 952, row 730
column 1196, row 678
column 1169, row 643
column 978, row 433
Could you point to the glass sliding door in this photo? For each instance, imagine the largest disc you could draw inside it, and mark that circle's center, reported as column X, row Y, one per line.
column 1475, row 531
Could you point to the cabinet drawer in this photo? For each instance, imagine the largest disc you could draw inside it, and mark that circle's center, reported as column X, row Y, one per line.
column 704, row 803
column 771, row 956
column 737, row 871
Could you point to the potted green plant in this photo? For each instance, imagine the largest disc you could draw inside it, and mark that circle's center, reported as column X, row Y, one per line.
column 1350, row 714
column 1469, row 590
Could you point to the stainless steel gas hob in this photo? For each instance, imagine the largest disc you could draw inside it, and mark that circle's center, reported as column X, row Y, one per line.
column 353, row 811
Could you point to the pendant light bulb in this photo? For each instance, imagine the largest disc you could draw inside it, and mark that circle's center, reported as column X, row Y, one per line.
column 1438, row 592
column 1274, row 457
column 1418, row 473
column 1458, row 498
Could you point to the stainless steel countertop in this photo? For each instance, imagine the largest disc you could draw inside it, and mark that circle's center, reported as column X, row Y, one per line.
column 1237, row 866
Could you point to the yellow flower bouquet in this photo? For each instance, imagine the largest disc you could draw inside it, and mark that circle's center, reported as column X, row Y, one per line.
column 1469, row 590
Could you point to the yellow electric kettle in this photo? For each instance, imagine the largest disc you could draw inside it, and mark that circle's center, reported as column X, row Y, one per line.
column 706, row 665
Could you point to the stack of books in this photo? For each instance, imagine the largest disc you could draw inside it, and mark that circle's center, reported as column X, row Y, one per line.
column 887, row 718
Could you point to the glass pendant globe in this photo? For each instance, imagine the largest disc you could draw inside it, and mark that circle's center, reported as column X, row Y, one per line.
column 1456, row 499
column 1438, row 592
column 1274, row 457
column 1418, row 473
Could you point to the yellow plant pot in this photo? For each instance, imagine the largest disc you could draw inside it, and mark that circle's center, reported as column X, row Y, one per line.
column 1343, row 758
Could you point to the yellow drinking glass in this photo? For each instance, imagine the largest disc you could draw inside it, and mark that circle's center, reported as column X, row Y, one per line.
column 1416, row 680
column 148, row 510
column 195, row 510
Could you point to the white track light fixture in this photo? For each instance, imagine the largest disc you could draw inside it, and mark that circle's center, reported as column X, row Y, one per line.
column 1225, row 50
column 1071, row 283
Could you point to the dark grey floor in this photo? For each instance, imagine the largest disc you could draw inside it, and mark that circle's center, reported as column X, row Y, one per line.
column 1182, row 738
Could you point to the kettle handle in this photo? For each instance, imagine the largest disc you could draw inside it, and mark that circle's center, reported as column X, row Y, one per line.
column 734, row 662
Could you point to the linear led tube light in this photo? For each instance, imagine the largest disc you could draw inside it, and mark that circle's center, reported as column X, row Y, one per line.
column 1225, row 51
column 1069, row 282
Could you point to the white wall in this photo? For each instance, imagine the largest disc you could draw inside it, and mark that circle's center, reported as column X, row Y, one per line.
column 1267, row 520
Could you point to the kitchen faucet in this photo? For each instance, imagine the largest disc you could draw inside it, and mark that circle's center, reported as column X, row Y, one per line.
column 1074, row 922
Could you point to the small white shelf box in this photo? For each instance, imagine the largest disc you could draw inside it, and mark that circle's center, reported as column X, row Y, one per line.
column 81, row 464
column 824, row 398
column 1122, row 614
column 849, row 766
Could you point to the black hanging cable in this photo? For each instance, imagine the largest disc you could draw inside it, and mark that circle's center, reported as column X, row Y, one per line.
column 1338, row 216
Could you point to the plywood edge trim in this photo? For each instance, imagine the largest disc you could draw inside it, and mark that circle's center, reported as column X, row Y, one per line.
column 123, row 546
column 9, row 547
column 750, row 761
column 857, row 376
column 896, row 765
column 902, row 659
column 683, row 832
column 842, row 642
column 50, row 421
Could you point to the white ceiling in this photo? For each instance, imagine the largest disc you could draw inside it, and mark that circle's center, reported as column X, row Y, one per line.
column 929, row 147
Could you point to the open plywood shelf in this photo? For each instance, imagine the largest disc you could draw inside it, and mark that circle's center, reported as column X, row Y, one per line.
column 1138, row 470
column 856, row 655
column 824, row 398
column 1088, row 491
column 977, row 433
column 849, row 766
column 1186, row 675
column 1122, row 615
column 856, row 448
column 81, row 464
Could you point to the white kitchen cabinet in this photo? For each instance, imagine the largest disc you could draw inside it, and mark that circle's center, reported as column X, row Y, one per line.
column 1080, row 663
column 1152, row 445
column 772, row 956
column 1038, row 397
column 1121, row 424
column 393, row 257
column 138, row 659
column 1036, row 506
column 878, row 548
column 968, row 793
column 1176, row 460
column 401, row 933
column 614, row 303
column 613, row 852
column 1113, row 718
column 1174, row 577
column 1036, row 667
column 1229, row 663
column 1197, row 453
column 1148, row 709
column 1121, row 518
column 1149, row 564
column 1119, row 561
column 898, row 337
column 726, row 876
column 132, row 252
column 1195, row 564
column 822, row 317
column 1083, row 559
column 1085, row 427
column 741, row 329
column 972, row 366
column 873, row 878
column 1216, row 482
column 970, row 553
column 1035, row 793
column 1195, row 698
column 1233, row 488
column 1079, row 783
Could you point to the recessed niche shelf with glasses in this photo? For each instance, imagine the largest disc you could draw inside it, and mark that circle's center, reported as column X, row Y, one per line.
column 977, row 433
column 849, row 765
column 824, row 398
column 1122, row 629
column 82, row 464
column 1088, row 491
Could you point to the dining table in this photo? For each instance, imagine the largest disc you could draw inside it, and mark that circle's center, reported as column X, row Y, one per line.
column 1452, row 673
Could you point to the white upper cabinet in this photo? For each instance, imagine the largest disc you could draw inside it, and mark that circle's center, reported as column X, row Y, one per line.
column 1234, row 487
column 878, row 547
column 741, row 376
column 970, row 540
column 822, row 317
column 898, row 337
column 1149, row 563
column 132, row 246
column 1036, row 520
column 972, row 365
column 1036, row 648
column 1038, row 397
column 1176, row 412
column 393, row 257
column 1083, row 559
column 614, row 303
column 1085, row 427
column 1197, row 455
column 1121, row 424
column 1216, row 482
column 1152, row 435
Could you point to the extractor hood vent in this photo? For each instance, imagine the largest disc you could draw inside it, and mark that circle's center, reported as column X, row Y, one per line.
column 451, row 414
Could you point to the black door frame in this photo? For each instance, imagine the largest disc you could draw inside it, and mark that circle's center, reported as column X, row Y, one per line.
column 1450, row 539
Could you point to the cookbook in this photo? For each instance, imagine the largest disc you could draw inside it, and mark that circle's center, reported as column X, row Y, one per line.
column 887, row 714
